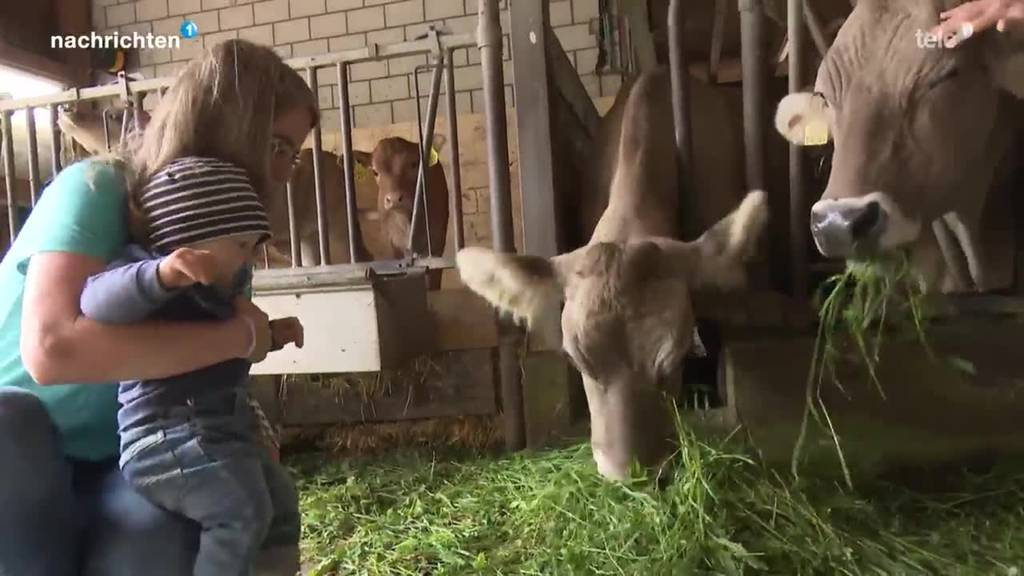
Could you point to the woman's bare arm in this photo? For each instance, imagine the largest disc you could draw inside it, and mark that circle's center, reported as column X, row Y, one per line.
column 60, row 345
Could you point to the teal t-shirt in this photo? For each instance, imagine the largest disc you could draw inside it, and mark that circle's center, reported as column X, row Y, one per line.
column 83, row 211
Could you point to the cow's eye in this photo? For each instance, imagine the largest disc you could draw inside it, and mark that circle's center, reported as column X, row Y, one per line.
column 950, row 73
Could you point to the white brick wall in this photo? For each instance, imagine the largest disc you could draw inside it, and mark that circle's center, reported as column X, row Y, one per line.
column 382, row 92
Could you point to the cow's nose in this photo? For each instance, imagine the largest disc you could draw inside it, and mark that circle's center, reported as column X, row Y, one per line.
column 841, row 227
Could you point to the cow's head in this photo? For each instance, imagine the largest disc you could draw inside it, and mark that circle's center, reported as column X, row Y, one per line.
column 627, row 321
column 395, row 164
column 917, row 128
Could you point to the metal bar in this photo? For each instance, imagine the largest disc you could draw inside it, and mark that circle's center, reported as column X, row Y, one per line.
column 797, row 214
column 752, row 33
column 8, row 153
column 690, row 219
column 125, row 116
column 459, row 232
column 717, row 39
column 489, row 40
column 137, row 110
column 536, row 78
column 33, row 155
column 426, row 143
column 106, row 130
column 298, row 278
column 293, row 226
column 318, row 179
column 55, row 136
column 351, row 56
column 345, row 104
column 817, row 32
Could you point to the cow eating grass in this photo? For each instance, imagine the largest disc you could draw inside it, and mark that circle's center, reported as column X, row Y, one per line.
column 923, row 144
column 627, row 321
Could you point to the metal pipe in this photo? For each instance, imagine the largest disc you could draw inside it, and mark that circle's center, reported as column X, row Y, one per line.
column 55, row 136
column 33, row 155
column 8, row 153
column 426, row 143
column 459, row 232
column 345, row 104
column 490, row 42
column 681, row 116
column 797, row 214
column 752, row 33
column 817, row 32
column 137, row 110
column 318, row 178
column 125, row 116
column 293, row 227
column 106, row 130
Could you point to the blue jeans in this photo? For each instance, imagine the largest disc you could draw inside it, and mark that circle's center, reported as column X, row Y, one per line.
column 203, row 462
column 63, row 517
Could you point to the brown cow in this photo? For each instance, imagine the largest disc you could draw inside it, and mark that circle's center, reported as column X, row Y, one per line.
column 395, row 164
column 628, row 321
column 923, row 144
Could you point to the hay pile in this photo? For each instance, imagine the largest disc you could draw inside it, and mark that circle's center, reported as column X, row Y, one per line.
column 723, row 513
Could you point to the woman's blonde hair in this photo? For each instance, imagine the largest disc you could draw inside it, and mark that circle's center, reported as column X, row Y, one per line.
column 222, row 105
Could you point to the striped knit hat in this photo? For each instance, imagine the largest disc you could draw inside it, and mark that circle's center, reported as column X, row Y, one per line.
column 194, row 199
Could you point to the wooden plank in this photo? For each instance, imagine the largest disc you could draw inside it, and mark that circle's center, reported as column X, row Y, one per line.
column 547, row 404
column 442, row 385
column 931, row 414
column 461, row 320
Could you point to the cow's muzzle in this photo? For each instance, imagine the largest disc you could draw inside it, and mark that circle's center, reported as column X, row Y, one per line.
column 861, row 226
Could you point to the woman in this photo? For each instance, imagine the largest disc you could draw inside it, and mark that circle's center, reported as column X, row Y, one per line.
column 66, row 508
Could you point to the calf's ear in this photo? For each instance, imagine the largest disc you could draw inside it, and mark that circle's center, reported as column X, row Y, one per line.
column 716, row 259
column 527, row 287
column 802, row 118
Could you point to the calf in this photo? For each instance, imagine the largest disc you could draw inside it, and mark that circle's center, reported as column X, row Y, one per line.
column 628, row 320
column 395, row 163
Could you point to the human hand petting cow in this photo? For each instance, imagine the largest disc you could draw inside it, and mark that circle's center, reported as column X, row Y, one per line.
column 976, row 16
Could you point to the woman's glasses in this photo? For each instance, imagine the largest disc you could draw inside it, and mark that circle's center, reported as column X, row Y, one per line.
column 282, row 148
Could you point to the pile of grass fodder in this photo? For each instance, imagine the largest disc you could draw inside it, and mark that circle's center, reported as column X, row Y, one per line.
column 722, row 513
column 869, row 303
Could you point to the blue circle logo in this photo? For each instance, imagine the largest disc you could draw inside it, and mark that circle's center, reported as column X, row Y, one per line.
column 189, row 30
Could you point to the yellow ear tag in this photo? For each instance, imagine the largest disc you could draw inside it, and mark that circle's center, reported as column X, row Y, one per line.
column 816, row 133
column 434, row 157
column 362, row 172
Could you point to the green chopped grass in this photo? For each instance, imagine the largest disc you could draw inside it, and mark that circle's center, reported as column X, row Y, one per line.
column 867, row 304
column 722, row 513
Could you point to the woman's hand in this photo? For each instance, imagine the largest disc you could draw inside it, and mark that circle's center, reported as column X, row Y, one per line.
column 970, row 18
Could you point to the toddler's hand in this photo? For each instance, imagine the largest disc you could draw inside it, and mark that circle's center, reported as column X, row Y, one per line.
column 284, row 331
column 186, row 266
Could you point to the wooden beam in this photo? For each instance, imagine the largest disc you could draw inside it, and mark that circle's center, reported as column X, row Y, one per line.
column 32, row 63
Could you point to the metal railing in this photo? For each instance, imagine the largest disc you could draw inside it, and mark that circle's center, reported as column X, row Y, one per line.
column 438, row 46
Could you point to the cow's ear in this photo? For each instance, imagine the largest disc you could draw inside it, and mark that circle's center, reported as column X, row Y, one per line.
column 802, row 118
column 363, row 158
column 527, row 287
column 716, row 259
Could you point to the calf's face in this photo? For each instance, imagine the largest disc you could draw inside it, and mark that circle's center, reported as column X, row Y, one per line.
column 627, row 321
column 915, row 128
